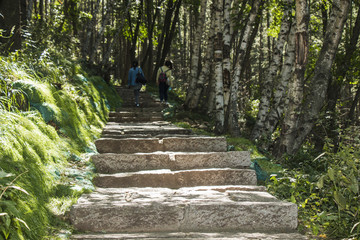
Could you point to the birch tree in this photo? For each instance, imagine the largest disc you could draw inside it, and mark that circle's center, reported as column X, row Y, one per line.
column 207, row 65
column 226, row 53
column 233, row 113
column 190, row 101
column 272, row 76
column 300, row 125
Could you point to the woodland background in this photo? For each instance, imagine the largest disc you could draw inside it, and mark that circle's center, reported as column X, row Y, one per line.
column 282, row 74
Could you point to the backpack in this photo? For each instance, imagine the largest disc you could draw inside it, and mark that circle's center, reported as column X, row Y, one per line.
column 140, row 78
column 163, row 77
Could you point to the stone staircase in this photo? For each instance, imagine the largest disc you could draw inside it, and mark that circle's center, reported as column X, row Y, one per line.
column 158, row 181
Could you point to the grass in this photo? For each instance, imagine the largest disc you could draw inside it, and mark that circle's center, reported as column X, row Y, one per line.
column 48, row 143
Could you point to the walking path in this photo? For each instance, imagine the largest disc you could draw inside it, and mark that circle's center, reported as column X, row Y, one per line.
column 159, row 181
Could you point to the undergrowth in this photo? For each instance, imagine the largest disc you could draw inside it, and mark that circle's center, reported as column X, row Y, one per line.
column 324, row 186
column 50, row 116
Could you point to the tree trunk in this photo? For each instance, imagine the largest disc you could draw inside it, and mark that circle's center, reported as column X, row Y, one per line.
column 195, row 60
column 335, row 88
column 293, row 137
column 169, row 37
column 233, row 120
column 90, row 32
column 13, row 19
column 226, row 53
column 218, row 58
column 280, row 95
column 259, row 130
column 205, row 78
column 100, row 33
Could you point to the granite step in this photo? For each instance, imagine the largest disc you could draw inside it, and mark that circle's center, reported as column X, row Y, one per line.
column 152, row 129
column 142, row 135
column 134, row 114
column 115, row 163
column 199, row 209
column 166, row 178
column 192, row 236
column 142, row 103
column 143, row 118
column 158, row 108
column 173, row 144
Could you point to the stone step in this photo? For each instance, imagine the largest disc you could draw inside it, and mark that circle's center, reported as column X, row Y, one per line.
column 160, row 136
column 140, row 109
column 133, row 210
column 114, row 163
column 152, row 129
column 143, row 104
column 177, row 179
column 135, row 114
column 173, row 144
column 192, row 235
column 135, row 119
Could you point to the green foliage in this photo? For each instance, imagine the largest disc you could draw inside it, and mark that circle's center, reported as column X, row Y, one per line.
column 9, row 214
column 326, row 191
column 276, row 12
column 68, row 110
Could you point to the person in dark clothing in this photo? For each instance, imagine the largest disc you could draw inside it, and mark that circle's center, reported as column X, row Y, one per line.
column 132, row 80
column 164, row 83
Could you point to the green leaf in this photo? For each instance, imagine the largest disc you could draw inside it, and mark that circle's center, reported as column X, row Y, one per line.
column 320, row 183
column 5, row 174
column 340, row 200
column 331, row 174
column 354, row 187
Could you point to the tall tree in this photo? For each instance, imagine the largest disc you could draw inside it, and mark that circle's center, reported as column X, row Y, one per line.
column 227, row 52
column 218, row 58
column 169, row 26
column 272, row 76
column 191, row 102
column 293, row 135
column 13, row 17
column 233, row 113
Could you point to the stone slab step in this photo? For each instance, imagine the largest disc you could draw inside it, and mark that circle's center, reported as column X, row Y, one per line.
column 135, row 119
column 114, row 163
column 173, row 144
column 143, row 104
column 186, row 209
column 177, row 179
column 140, row 109
column 134, row 114
column 144, row 128
column 160, row 136
column 192, row 235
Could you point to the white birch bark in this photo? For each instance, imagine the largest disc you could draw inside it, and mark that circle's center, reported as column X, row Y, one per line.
column 280, row 95
column 194, row 69
column 296, row 85
column 226, row 54
column 233, row 120
column 322, row 74
column 218, row 57
column 205, row 76
column 270, row 82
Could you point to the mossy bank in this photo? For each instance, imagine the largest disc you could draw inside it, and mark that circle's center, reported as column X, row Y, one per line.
column 50, row 114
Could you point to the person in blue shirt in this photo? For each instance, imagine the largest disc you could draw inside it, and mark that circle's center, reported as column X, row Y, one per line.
column 132, row 80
